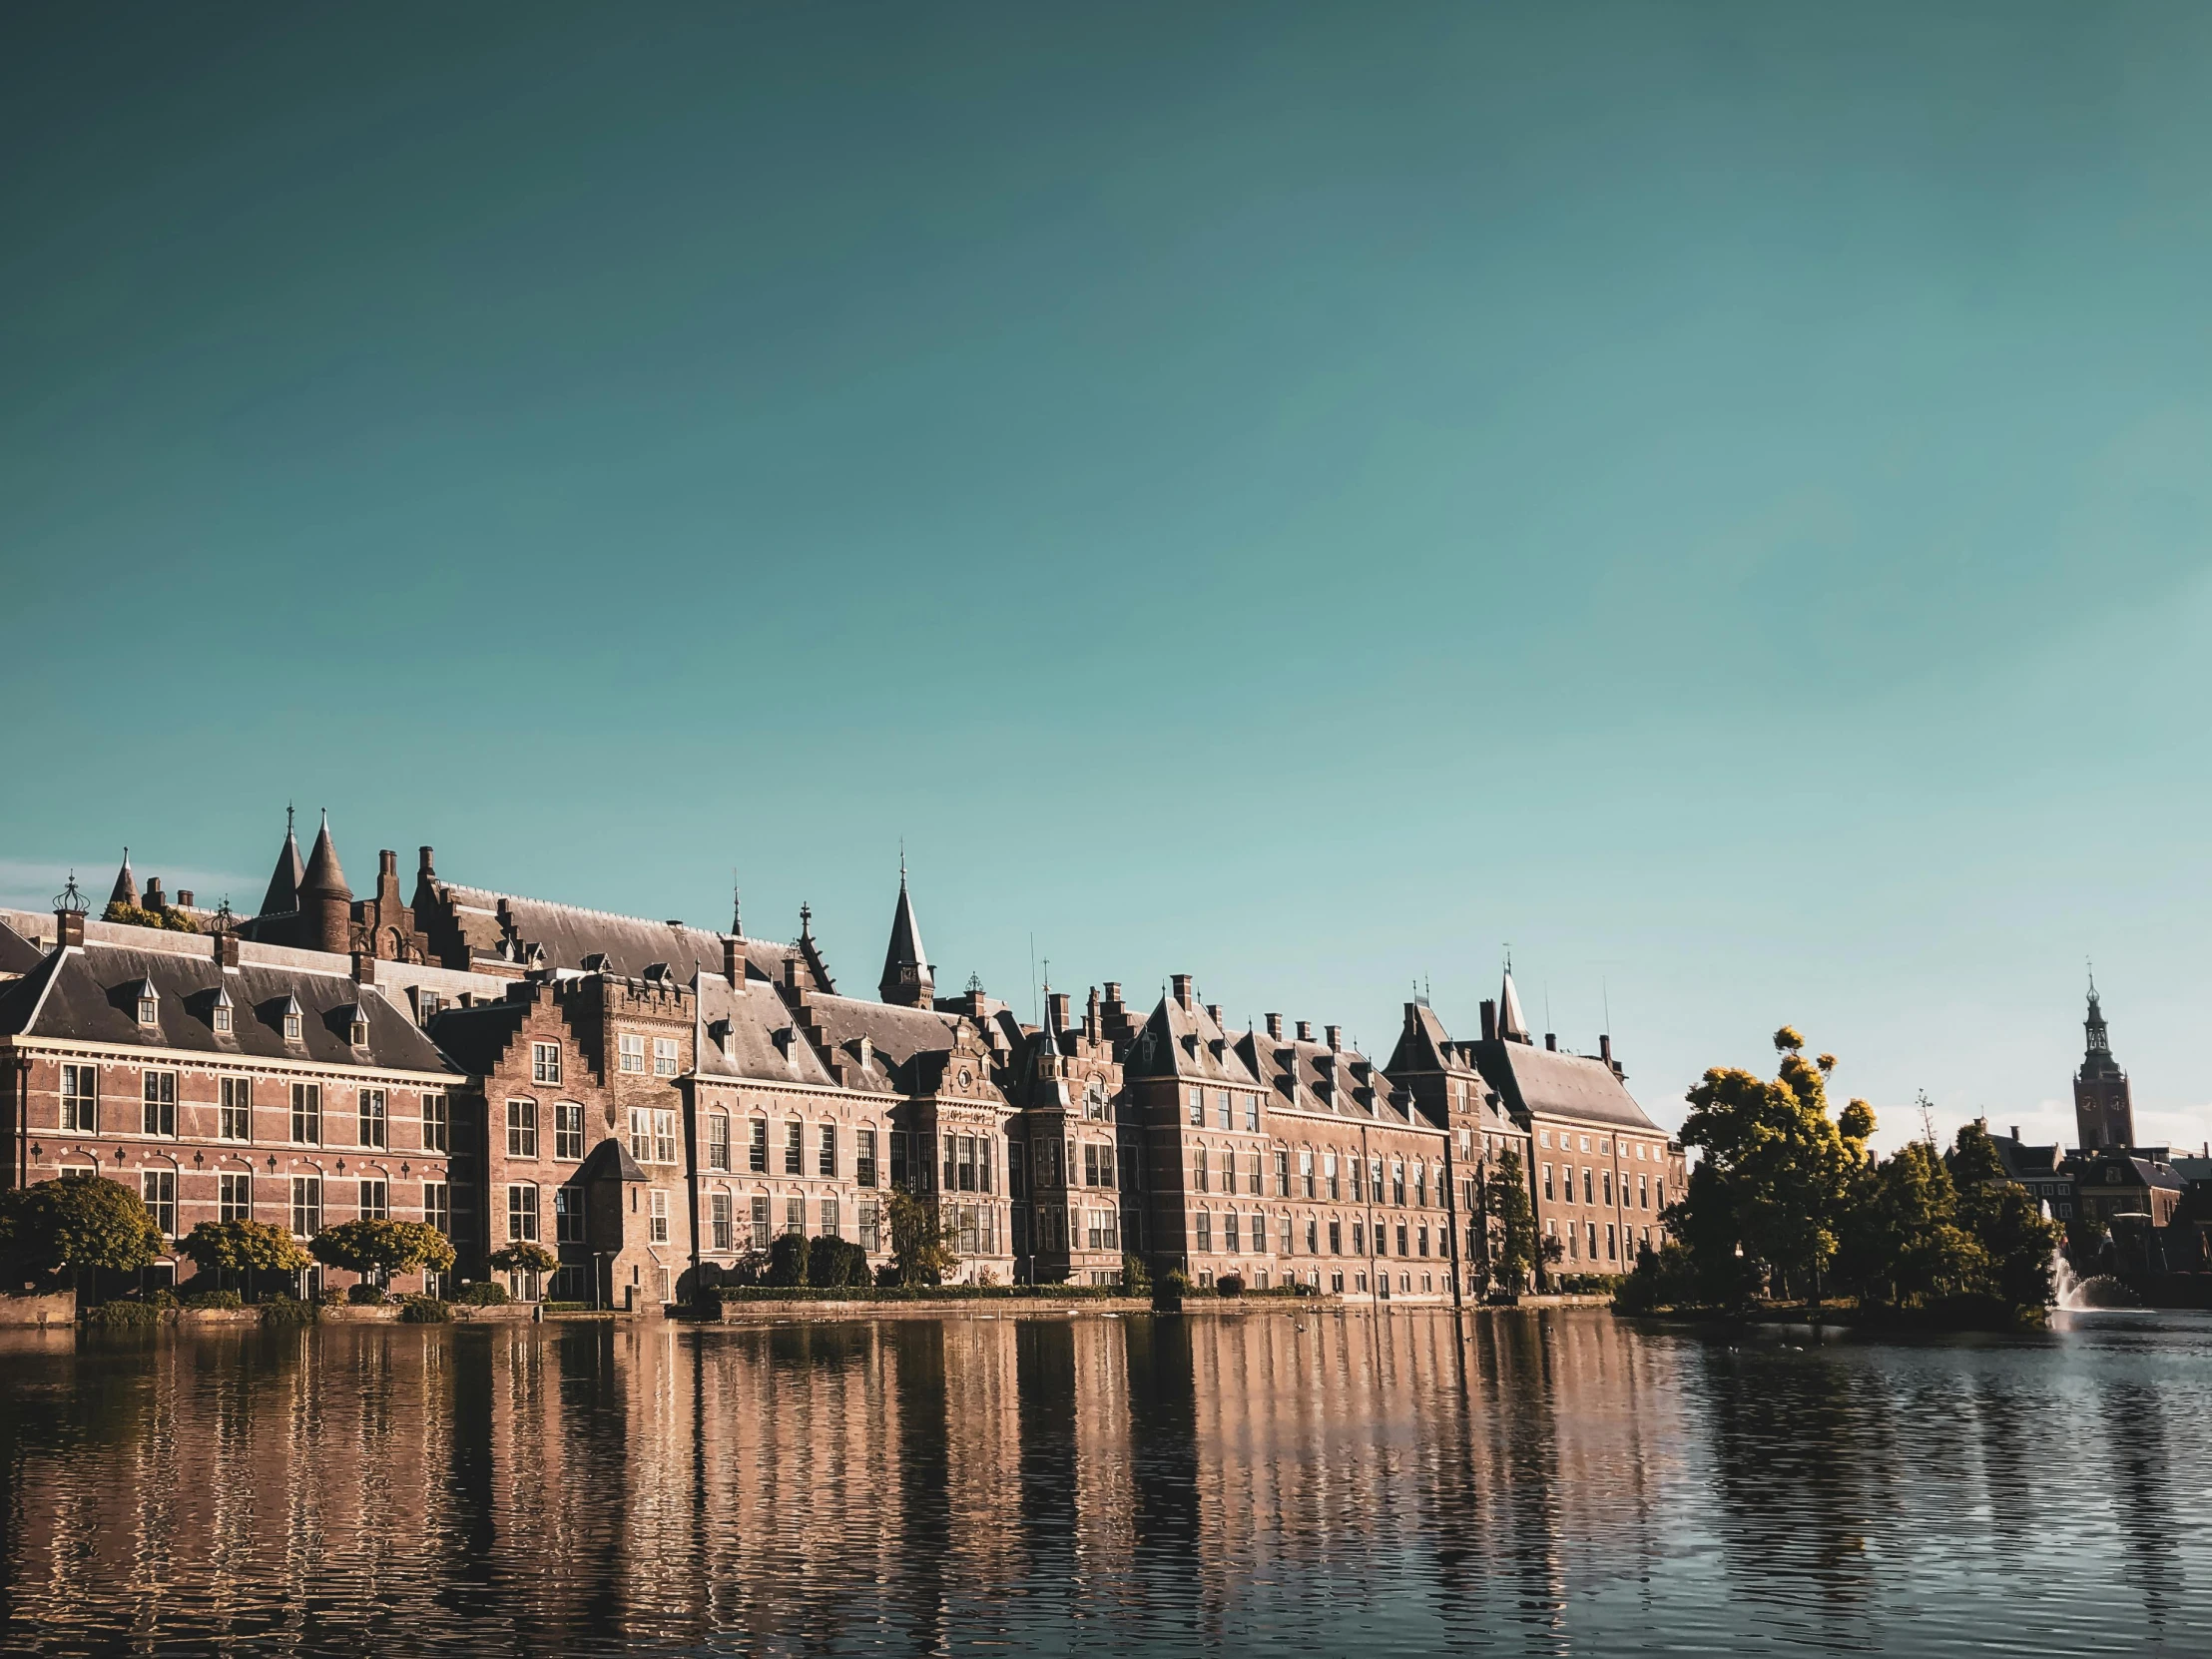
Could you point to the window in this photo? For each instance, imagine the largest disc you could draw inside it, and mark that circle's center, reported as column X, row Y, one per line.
column 437, row 1206
column 1659, row 1192
column 1589, row 1191
column 1381, row 1239
column 1286, row 1234
column 427, row 1006
column 80, row 1099
column 568, row 1130
column 235, row 1121
column 657, row 1229
column 1547, row 1182
column 1312, row 1237
column 760, row 1224
column 1397, row 1182
column 1608, row 1183
column 292, row 1021
column 522, row 1212
column 233, row 1195
column 1359, row 1180
column 864, row 1163
column 568, row 1215
column 1198, row 1108
column 161, row 1103
column 632, row 1051
column 306, row 1205
column 220, row 1018
column 1358, row 1238
column 1251, row 1113
column 1282, row 1175
column 718, row 1141
column 1609, row 1255
column 372, row 1105
column 794, row 1215
column 149, row 1008
column 1094, row 1101
column 1420, row 1187
column 1198, row 1167
column 1305, row 1174
column 826, row 1161
column 376, row 1200
column 871, row 1228
column 828, row 1209
column 1643, row 1194
column 1336, row 1236
column 663, row 1056
column 545, row 1063
column 1546, row 1136
column 795, row 1149
column 756, row 1147
column 1329, row 1175
column 1229, row 1233
column 437, row 1124
column 1421, row 1239
column 306, row 1118
column 1402, row 1231
column 664, row 1137
column 159, row 1188
column 522, row 1129
column 1205, row 1232
column 898, row 1158
column 641, row 1134
column 1225, row 1110
column 720, row 1222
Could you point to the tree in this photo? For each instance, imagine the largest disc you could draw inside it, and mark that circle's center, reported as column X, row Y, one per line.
column 1513, row 1223
column 243, row 1247
column 524, row 1257
column 836, row 1262
column 377, row 1249
column 786, row 1259
column 78, row 1221
column 2007, row 1223
column 921, row 1249
column 1783, row 1167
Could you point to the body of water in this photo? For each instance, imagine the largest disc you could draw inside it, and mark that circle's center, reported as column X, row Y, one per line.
column 1548, row 1482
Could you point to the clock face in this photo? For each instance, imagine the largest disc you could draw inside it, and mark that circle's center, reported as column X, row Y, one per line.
column 967, row 1077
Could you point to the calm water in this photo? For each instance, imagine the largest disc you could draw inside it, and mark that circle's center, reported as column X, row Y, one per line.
column 1545, row 1482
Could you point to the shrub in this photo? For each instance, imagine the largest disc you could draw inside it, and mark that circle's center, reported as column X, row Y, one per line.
column 1136, row 1277
column 285, row 1310
column 215, row 1298
column 367, row 1296
column 1229, row 1284
column 425, row 1310
column 125, row 1313
column 332, row 1296
column 833, row 1262
column 484, row 1294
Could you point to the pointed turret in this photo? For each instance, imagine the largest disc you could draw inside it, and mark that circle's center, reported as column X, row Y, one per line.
column 282, row 896
column 126, row 884
column 325, row 901
column 906, row 976
column 1511, row 1026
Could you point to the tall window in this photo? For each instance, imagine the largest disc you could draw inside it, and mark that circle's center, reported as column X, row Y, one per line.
column 568, row 1215
column 159, row 1188
column 632, row 1049
column 720, row 1219
column 1312, row 1237
column 718, row 1141
column 641, row 1134
column 1420, row 1186
column 760, row 1224
column 234, row 1120
column 863, row 1162
column 233, row 1195
column 1205, row 1232
column 658, row 1234
column 1305, row 1174
column 898, row 1158
column 292, row 1022
column 80, row 1099
column 1198, row 1168
column 161, row 1103
column 522, row 1129
column 663, row 1056
column 1225, row 1109
column 795, row 1149
column 756, row 1147
column 372, row 1117
column 568, row 1128
column 794, row 1215
column 545, row 1063
column 522, row 1212
column 1282, row 1175
column 306, row 1205
column 872, row 1228
column 375, row 1201
column 437, row 1206
column 1547, row 1184
column 825, row 1162
column 1357, row 1167
column 1252, row 1112
column 437, row 1130
column 1328, row 1173
column 1336, row 1236
column 664, row 1137
column 828, row 1209
column 1397, row 1182
column 1228, row 1234
column 307, row 1122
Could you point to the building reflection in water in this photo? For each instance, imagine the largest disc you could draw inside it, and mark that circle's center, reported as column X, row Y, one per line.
column 1525, row 1482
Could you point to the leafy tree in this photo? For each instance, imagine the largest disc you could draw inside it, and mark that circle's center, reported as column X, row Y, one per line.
column 836, row 1262
column 2007, row 1220
column 1512, row 1222
column 1712, row 1270
column 377, row 1249
column 78, row 1221
column 1906, row 1243
column 786, row 1259
column 1136, row 1274
column 922, row 1249
column 524, row 1257
column 243, row 1247
column 135, row 915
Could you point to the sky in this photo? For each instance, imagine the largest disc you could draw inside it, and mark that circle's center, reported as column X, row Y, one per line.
column 1712, row 498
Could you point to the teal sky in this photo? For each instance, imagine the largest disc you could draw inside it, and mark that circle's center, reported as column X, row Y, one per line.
column 1716, row 496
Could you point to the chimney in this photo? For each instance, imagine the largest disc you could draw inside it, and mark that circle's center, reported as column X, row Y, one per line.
column 226, row 951
column 183, row 897
column 1061, row 1002
column 1213, row 1012
column 387, row 864
column 1304, row 1030
column 791, row 972
column 1182, row 991
column 733, row 963
column 2015, row 1131
column 69, row 930
column 1606, row 1048
column 1551, row 1041
column 1489, row 1020
column 365, row 967
column 1335, row 1038
column 1275, row 1026
column 154, row 899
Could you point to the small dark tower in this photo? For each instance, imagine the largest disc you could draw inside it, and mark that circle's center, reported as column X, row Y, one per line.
column 126, row 884
column 906, row 979
column 325, row 901
column 2104, row 1111
column 282, row 898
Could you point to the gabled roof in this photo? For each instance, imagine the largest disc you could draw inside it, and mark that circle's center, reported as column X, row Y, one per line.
column 17, row 953
column 1307, row 1076
column 1532, row 1079
column 1512, row 1025
column 1185, row 1042
column 897, row 1035
column 751, row 1021
column 568, row 933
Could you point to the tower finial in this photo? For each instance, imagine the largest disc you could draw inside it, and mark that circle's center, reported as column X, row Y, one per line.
column 806, row 919
column 737, row 909
column 902, row 863
column 288, row 826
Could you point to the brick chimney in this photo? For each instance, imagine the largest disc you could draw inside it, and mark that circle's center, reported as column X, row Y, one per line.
column 1213, row 1012
column 732, row 962
column 69, row 930
column 1606, row 1048
column 1489, row 1020
column 1275, row 1026
column 365, row 967
column 1551, row 1041
column 1181, row 989
column 226, row 951
column 183, row 897
column 1061, row 1002
column 1335, row 1038
column 155, row 899
column 1304, row 1030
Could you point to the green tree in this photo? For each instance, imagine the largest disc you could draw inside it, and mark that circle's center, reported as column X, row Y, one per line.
column 836, row 1262
column 2015, row 1237
column 243, row 1247
column 524, row 1257
column 78, row 1221
column 377, row 1249
column 786, row 1259
column 922, row 1249
column 1512, row 1231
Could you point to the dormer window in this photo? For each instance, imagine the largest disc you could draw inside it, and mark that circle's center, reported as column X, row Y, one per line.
column 149, row 1010
column 357, row 1026
column 292, row 1019
column 218, row 1016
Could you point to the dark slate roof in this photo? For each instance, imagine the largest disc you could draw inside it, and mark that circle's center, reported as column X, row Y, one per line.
column 1185, row 1042
column 125, row 890
column 2147, row 1172
column 568, row 935
column 739, row 1037
column 2193, row 1169
column 282, row 896
column 899, row 1035
column 324, row 879
column 610, row 1160
column 17, row 953
column 1533, row 1079
column 904, row 950
column 475, row 1037
column 1307, row 1076
column 91, row 995
column 2028, row 1163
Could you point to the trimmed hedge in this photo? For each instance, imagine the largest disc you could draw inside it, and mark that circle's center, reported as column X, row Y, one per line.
column 484, row 1294
column 916, row 1293
column 425, row 1310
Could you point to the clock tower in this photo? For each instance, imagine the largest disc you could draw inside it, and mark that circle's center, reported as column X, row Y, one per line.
column 2105, row 1112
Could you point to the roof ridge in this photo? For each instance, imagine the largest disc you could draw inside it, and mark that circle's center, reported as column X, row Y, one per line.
column 607, row 915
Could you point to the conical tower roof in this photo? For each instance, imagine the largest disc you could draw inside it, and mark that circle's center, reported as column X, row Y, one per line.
column 906, row 976
column 126, row 884
column 1512, row 1024
column 282, row 896
column 322, row 877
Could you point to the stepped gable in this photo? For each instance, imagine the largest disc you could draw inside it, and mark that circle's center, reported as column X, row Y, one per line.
column 1529, row 1078
column 91, row 995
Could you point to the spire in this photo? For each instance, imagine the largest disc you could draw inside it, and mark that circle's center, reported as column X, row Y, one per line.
column 282, row 896
column 322, row 879
column 737, row 912
column 906, row 977
column 2094, row 1027
column 126, row 884
column 1512, row 1025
